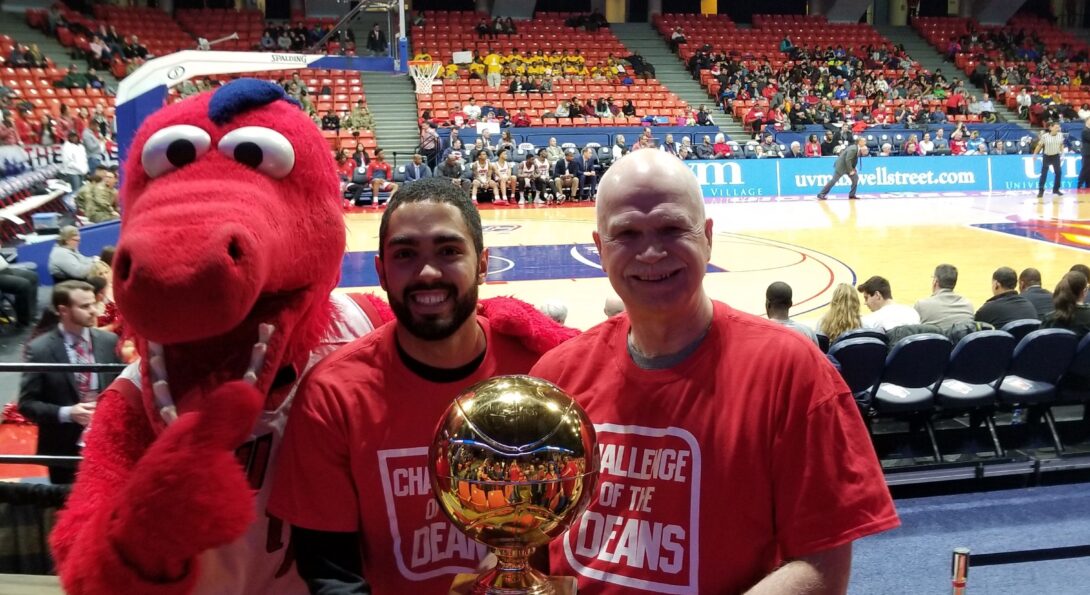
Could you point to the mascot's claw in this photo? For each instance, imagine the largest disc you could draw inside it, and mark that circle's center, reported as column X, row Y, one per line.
column 161, row 387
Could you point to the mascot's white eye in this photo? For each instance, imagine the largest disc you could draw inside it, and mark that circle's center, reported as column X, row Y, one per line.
column 172, row 148
column 263, row 149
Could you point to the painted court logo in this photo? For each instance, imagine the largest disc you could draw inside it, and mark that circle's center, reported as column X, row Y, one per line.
column 425, row 544
column 1073, row 233
column 642, row 529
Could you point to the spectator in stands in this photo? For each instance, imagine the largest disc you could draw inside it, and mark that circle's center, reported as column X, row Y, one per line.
column 958, row 143
column 1029, row 287
column 794, row 151
column 452, row 169
column 521, row 119
column 65, row 260
column 359, row 156
column 927, row 146
column 843, row 314
column 911, row 147
column 97, row 199
column 554, row 152
column 669, row 146
column 885, row 313
column 267, row 43
column 813, row 146
column 619, row 148
column 769, row 147
column 417, row 170
column 457, row 147
column 73, row 161
column 1024, row 100
column 1005, row 305
column 381, row 177
column 23, row 284
column 778, row 302
column 706, row 149
column 360, row 118
column 376, row 40
column 1070, row 310
column 976, row 145
column 95, row 147
column 828, row 144
column 484, row 29
column 721, row 149
column 639, row 66
column 73, row 79
column 944, row 308
column 942, row 146
column 9, row 135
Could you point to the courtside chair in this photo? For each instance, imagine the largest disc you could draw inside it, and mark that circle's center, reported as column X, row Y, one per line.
column 1038, row 362
column 978, row 361
column 860, row 362
column 1020, row 328
column 906, row 390
column 1075, row 385
column 823, row 342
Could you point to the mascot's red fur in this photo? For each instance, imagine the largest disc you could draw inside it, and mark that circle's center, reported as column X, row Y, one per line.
column 231, row 223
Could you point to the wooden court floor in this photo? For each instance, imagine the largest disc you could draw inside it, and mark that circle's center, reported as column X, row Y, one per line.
column 544, row 254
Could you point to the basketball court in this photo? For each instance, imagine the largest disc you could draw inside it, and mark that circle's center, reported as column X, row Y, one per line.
column 543, row 253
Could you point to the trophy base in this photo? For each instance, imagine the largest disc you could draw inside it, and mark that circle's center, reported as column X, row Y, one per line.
column 562, row 585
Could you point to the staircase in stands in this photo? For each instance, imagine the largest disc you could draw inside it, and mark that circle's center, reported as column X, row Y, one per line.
column 670, row 71
column 392, row 102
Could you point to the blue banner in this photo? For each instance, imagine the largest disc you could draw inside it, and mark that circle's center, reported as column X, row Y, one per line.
column 740, row 178
column 1023, row 172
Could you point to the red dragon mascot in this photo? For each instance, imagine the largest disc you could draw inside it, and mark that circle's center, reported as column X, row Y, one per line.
column 231, row 244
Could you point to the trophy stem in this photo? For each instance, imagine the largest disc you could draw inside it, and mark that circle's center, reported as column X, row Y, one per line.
column 513, row 575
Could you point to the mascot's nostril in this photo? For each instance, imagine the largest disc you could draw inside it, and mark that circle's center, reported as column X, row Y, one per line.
column 234, row 249
column 123, row 266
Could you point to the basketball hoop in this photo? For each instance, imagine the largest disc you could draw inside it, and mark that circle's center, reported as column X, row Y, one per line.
column 424, row 73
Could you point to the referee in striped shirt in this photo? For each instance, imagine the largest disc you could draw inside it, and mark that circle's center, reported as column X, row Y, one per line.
column 1051, row 145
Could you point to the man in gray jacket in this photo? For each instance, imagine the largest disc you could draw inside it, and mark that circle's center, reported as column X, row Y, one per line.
column 944, row 308
column 65, row 260
column 846, row 165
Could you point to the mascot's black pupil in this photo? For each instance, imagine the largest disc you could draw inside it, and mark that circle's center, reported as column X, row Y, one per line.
column 248, row 154
column 181, row 152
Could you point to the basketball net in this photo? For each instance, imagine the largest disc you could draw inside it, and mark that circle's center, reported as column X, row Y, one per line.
column 424, row 73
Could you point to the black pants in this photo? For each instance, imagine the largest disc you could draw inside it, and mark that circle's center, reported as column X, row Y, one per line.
column 1084, row 178
column 23, row 284
column 1052, row 161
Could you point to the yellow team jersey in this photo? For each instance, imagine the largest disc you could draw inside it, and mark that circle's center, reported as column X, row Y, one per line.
column 476, row 68
column 493, row 62
column 536, row 69
column 422, row 56
column 451, row 69
column 578, row 59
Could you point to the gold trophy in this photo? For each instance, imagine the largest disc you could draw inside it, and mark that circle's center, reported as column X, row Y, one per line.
column 514, row 461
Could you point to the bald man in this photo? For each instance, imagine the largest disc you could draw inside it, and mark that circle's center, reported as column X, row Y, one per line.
column 733, row 457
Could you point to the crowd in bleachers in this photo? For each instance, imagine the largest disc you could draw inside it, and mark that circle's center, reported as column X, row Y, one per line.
column 1030, row 64
column 109, row 41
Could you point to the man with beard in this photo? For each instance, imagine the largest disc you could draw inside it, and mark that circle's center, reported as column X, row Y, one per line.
column 352, row 477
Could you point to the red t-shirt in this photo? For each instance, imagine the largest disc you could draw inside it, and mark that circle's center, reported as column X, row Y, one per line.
column 380, row 166
column 748, row 453
column 345, row 169
column 355, row 458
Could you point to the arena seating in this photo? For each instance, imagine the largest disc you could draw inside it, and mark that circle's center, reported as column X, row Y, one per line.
column 941, row 32
column 448, row 32
column 212, row 24
column 760, row 45
column 346, row 90
column 1047, row 368
column 156, row 30
column 36, row 85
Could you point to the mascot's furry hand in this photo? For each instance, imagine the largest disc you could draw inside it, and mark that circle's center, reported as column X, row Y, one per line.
column 196, row 450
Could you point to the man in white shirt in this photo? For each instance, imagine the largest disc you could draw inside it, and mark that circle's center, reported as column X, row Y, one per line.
column 471, row 110
column 1024, row 100
column 885, row 313
column 73, row 161
column 926, row 146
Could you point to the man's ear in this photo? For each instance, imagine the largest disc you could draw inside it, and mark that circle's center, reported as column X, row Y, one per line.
column 381, row 272
column 482, row 267
column 598, row 247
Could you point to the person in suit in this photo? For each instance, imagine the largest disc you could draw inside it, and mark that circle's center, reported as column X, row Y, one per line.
column 376, row 40
column 1029, row 287
column 417, row 170
column 1084, row 171
column 567, row 174
column 63, row 403
column 846, row 165
column 944, row 308
column 588, row 183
